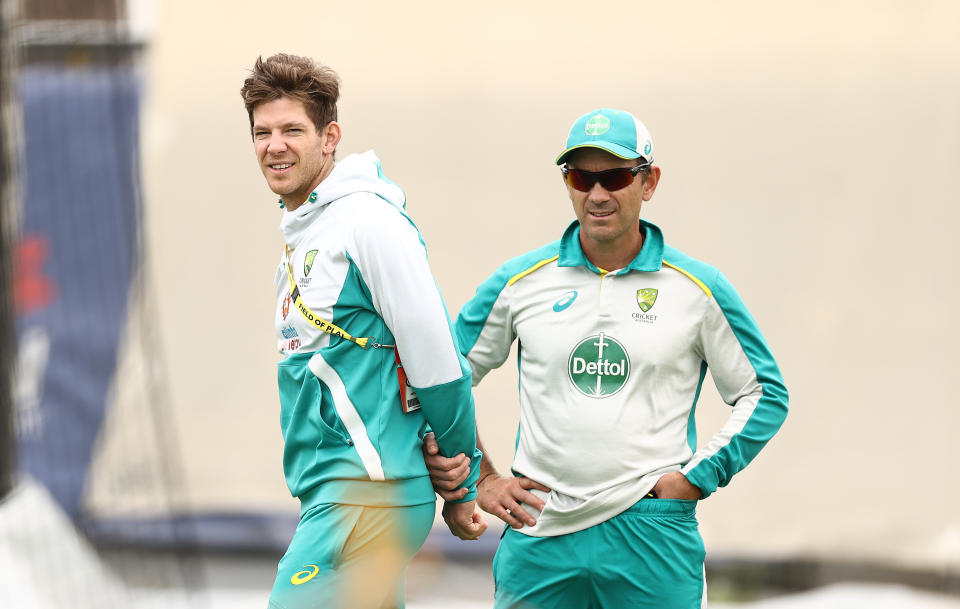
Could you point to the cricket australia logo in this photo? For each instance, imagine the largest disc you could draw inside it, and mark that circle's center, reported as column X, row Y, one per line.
column 646, row 298
column 308, row 262
column 599, row 366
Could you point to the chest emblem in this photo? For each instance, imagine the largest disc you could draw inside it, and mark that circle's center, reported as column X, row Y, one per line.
column 308, row 262
column 565, row 301
column 599, row 366
column 646, row 298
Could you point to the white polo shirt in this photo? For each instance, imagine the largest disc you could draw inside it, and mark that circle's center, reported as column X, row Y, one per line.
column 611, row 366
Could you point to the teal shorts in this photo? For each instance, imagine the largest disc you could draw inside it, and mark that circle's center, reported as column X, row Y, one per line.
column 350, row 556
column 648, row 557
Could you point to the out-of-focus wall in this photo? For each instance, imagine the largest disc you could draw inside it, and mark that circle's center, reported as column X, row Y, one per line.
column 808, row 150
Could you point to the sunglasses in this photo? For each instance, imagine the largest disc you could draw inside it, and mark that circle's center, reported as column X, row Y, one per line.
column 611, row 179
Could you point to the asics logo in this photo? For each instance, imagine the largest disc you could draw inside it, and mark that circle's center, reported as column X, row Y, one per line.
column 565, row 301
column 302, row 577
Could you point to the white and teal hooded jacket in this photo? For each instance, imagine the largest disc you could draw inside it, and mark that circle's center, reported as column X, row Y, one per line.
column 360, row 263
column 611, row 365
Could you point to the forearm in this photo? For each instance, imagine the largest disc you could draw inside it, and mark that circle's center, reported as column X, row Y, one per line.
column 486, row 463
column 753, row 422
column 449, row 410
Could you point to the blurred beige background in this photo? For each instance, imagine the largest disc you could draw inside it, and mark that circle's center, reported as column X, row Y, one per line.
column 809, row 150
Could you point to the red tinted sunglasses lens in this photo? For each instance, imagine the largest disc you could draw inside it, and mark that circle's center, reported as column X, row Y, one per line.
column 611, row 179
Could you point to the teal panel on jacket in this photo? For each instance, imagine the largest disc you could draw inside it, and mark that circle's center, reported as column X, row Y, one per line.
column 692, row 420
column 316, row 443
column 371, row 380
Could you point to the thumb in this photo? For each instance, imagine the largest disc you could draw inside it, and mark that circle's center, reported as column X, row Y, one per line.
column 478, row 523
column 430, row 441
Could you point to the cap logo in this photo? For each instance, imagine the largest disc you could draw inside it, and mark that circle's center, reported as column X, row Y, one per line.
column 648, row 148
column 598, row 125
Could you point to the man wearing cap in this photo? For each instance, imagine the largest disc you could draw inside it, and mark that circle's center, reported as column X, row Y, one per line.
column 617, row 330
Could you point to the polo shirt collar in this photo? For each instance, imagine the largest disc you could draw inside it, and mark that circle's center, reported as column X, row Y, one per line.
column 648, row 260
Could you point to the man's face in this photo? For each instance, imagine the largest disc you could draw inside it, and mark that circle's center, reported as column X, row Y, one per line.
column 293, row 156
column 609, row 218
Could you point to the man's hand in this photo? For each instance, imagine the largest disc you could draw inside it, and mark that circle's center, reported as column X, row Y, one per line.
column 676, row 486
column 464, row 520
column 503, row 496
column 446, row 474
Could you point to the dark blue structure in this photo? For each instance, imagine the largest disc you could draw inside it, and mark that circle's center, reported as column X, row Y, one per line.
column 82, row 210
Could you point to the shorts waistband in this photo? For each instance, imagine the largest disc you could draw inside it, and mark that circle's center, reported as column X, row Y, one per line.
column 672, row 507
column 373, row 493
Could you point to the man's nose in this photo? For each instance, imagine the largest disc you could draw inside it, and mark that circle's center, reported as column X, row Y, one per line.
column 276, row 144
column 598, row 193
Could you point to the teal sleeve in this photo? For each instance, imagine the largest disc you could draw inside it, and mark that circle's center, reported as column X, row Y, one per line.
column 770, row 409
column 475, row 314
column 454, row 428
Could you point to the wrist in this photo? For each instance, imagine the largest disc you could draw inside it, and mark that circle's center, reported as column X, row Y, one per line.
column 484, row 476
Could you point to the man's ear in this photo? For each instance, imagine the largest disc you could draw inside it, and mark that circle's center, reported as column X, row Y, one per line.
column 331, row 137
column 650, row 183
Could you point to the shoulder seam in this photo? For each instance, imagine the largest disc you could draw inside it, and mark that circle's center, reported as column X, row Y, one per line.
column 531, row 269
column 691, row 277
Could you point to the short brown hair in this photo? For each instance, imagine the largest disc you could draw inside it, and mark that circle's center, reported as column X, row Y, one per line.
column 299, row 78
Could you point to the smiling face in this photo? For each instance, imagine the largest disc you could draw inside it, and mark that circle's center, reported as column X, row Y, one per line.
column 609, row 220
column 294, row 157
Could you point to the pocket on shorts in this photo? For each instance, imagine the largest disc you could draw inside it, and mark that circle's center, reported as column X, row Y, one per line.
column 668, row 527
column 304, row 573
column 322, row 534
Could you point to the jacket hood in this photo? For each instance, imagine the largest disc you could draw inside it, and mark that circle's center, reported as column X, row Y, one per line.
column 356, row 173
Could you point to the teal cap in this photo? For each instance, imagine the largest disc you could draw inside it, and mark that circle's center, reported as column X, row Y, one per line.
column 616, row 131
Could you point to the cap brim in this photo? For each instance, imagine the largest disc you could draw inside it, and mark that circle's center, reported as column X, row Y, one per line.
column 615, row 149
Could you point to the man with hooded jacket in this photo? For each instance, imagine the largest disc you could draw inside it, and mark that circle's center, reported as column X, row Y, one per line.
column 370, row 359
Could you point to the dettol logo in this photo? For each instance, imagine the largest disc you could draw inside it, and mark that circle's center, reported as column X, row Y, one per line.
column 599, row 366
column 597, row 125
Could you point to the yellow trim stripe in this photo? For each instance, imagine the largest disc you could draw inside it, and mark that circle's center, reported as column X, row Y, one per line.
column 523, row 274
column 702, row 285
